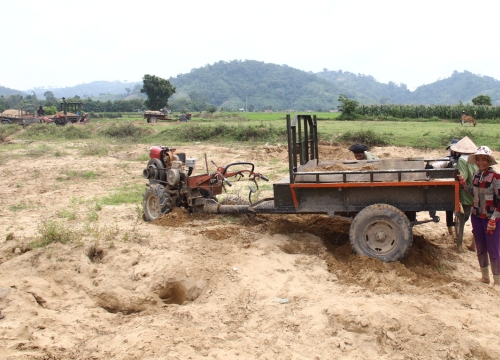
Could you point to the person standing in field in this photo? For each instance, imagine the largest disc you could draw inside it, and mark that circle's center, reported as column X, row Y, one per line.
column 450, row 163
column 485, row 189
column 362, row 152
column 64, row 105
column 40, row 111
column 463, row 149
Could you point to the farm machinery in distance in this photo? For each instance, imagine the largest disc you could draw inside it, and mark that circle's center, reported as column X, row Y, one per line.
column 70, row 112
column 381, row 204
column 152, row 116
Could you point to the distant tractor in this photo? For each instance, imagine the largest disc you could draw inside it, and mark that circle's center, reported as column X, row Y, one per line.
column 70, row 112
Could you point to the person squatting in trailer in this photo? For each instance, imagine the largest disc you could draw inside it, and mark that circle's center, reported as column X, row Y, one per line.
column 362, row 152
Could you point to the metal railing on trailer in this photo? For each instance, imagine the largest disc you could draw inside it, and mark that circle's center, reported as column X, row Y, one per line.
column 303, row 146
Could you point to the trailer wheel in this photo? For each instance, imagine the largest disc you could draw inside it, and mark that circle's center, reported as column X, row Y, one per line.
column 152, row 119
column 381, row 231
column 156, row 202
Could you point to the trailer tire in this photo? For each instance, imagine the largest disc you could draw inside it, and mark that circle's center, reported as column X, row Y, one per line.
column 381, row 231
column 156, row 202
column 152, row 119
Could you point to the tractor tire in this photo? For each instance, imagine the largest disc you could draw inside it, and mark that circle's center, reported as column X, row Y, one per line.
column 381, row 231
column 152, row 119
column 156, row 202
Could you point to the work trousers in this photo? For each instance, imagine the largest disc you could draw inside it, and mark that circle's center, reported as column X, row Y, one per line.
column 486, row 244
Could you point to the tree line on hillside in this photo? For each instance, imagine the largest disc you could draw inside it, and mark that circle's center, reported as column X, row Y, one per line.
column 261, row 86
column 257, row 86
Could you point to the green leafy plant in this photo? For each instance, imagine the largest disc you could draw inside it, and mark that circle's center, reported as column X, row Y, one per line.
column 348, row 108
column 368, row 137
column 482, row 100
column 51, row 231
column 158, row 91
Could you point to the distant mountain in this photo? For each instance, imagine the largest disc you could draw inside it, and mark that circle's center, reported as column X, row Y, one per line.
column 95, row 89
column 365, row 89
column 5, row 91
column 458, row 87
column 236, row 84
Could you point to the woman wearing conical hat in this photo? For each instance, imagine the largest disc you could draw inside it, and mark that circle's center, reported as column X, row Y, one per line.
column 464, row 148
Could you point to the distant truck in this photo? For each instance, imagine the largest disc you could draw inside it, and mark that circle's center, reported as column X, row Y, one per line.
column 22, row 117
column 152, row 116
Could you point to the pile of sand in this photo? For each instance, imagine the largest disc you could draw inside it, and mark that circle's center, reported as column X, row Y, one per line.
column 341, row 167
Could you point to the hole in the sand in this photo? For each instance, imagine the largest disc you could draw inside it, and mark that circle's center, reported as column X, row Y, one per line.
column 173, row 293
column 115, row 310
column 95, row 254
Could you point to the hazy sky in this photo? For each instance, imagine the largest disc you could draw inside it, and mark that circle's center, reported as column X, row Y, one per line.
column 64, row 43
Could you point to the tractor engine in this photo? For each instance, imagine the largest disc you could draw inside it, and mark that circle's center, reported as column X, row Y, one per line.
column 166, row 166
column 168, row 180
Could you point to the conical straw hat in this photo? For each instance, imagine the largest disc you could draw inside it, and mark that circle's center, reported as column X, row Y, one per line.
column 464, row 146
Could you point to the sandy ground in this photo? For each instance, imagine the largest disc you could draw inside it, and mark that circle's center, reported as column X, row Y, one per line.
column 214, row 286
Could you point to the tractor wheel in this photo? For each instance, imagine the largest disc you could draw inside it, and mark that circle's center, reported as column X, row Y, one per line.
column 152, row 119
column 156, row 202
column 381, row 231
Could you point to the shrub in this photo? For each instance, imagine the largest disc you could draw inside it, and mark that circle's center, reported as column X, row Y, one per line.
column 94, row 149
column 195, row 132
column 50, row 110
column 367, row 137
column 51, row 231
column 7, row 130
column 73, row 132
column 126, row 130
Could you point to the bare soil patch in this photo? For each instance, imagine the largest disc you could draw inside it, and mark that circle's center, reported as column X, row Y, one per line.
column 218, row 286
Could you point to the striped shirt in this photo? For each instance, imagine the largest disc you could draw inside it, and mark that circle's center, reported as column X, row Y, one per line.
column 486, row 190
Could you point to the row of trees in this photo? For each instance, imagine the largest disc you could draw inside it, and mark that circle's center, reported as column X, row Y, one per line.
column 20, row 102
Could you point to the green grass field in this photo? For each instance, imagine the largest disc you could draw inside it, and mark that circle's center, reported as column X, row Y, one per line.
column 259, row 128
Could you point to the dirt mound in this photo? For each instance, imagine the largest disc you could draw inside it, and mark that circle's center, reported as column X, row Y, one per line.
column 61, row 113
column 177, row 217
column 427, row 265
column 335, row 152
